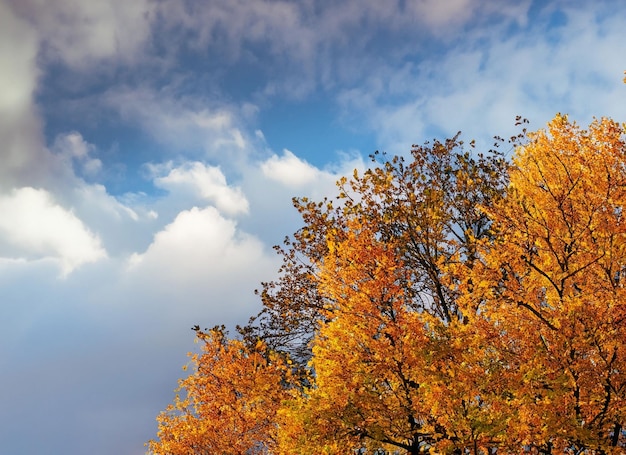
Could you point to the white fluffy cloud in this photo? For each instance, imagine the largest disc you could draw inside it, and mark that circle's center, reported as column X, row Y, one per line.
column 296, row 173
column 200, row 252
column 271, row 184
column 33, row 226
column 290, row 170
column 195, row 180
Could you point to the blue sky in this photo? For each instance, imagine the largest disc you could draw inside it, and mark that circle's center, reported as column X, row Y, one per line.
column 150, row 151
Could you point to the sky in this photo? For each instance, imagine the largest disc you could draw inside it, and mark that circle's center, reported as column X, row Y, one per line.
column 149, row 151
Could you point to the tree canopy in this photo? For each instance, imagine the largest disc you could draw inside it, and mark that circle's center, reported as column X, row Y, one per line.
column 448, row 302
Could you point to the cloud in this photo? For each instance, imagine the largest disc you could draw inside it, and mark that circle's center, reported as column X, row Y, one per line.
column 81, row 33
column 270, row 185
column 436, row 13
column 72, row 148
column 18, row 51
column 295, row 173
column 231, row 23
column 39, row 228
column 289, row 170
column 23, row 158
column 195, row 126
column 52, row 211
column 481, row 85
column 202, row 261
column 195, row 180
column 195, row 239
column 294, row 48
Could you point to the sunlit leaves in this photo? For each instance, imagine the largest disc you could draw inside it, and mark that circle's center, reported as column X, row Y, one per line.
column 229, row 401
column 552, row 285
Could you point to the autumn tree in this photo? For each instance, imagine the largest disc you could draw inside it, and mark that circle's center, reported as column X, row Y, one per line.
column 450, row 302
column 376, row 261
column 552, row 284
column 228, row 402
column 516, row 326
column 366, row 357
column 426, row 206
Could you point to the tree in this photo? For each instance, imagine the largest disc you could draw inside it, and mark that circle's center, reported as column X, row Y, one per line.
column 381, row 306
column 454, row 303
column 421, row 214
column 365, row 362
column 230, row 400
column 552, row 284
column 426, row 207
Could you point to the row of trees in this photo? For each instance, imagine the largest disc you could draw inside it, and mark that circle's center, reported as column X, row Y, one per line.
column 455, row 302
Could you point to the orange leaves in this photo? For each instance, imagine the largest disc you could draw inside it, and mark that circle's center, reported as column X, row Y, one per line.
column 555, row 268
column 230, row 401
column 365, row 357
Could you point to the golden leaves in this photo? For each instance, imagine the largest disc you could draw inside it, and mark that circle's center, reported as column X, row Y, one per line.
column 560, row 246
column 231, row 399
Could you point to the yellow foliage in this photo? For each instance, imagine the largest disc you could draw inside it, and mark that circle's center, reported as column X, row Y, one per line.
column 230, row 402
